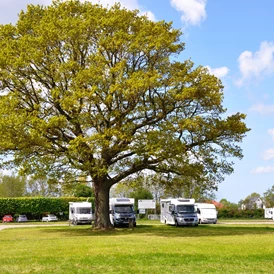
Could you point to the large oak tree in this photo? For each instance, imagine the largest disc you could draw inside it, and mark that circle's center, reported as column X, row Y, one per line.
column 92, row 91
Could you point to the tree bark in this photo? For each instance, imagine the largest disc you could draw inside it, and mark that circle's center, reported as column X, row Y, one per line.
column 101, row 192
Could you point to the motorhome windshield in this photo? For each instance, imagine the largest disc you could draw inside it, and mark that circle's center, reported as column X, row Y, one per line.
column 123, row 209
column 185, row 209
column 84, row 210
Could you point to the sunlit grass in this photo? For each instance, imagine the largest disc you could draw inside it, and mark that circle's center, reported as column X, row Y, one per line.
column 149, row 248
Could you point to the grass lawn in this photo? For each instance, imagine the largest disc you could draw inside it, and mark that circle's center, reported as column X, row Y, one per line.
column 150, row 248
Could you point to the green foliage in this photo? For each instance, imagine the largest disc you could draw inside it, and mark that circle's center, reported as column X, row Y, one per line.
column 228, row 205
column 189, row 186
column 240, row 214
column 83, row 191
column 93, row 91
column 141, row 194
column 12, row 186
column 37, row 206
column 269, row 197
column 122, row 189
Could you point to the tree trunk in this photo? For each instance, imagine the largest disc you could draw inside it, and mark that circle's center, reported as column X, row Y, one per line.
column 101, row 193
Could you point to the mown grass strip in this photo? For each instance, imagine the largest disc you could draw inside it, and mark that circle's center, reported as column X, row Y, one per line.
column 149, row 248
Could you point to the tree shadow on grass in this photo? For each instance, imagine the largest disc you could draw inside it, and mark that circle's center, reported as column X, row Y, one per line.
column 165, row 231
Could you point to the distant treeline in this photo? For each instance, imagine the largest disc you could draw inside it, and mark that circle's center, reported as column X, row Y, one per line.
column 36, row 208
column 240, row 213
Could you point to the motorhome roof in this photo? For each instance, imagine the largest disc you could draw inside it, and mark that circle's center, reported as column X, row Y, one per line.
column 205, row 205
column 82, row 204
column 178, row 201
column 122, row 200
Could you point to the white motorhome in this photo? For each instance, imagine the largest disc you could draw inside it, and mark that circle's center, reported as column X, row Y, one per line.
column 80, row 213
column 207, row 213
column 121, row 211
column 179, row 212
column 269, row 213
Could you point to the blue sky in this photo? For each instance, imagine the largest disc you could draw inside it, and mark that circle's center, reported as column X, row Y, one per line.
column 235, row 40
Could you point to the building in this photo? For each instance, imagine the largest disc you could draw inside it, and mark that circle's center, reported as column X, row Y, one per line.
column 252, row 203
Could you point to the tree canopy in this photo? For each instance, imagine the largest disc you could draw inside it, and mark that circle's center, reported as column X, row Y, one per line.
column 12, row 186
column 91, row 91
column 269, row 197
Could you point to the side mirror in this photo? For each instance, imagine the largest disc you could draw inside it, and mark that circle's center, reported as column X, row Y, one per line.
column 172, row 212
column 111, row 211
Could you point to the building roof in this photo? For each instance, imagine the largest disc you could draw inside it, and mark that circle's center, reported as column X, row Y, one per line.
column 217, row 204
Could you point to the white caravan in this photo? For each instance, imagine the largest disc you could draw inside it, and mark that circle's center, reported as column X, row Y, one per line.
column 207, row 213
column 179, row 212
column 121, row 211
column 268, row 213
column 80, row 213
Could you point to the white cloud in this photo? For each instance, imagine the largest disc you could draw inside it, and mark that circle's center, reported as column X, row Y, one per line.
column 260, row 170
column 193, row 11
column 271, row 132
column 269, row 154
column 262, row 109
column 256, row 65
column 218, row 72
column 129, row 4
column 149, row 15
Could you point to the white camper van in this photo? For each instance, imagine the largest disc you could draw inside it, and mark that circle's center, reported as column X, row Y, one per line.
column 269, row 213
column 207, row 213
column 121, row 211
column 80, row 213
column 179, row 212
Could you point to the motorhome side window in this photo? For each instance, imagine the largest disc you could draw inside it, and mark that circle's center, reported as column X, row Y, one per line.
column 171, row 208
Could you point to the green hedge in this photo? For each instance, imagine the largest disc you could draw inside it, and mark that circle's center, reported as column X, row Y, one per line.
column 241, row 214
column 36, row 207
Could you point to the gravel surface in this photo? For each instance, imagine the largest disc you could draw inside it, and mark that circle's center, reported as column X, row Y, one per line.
column 247, row 223
column 4, row 226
